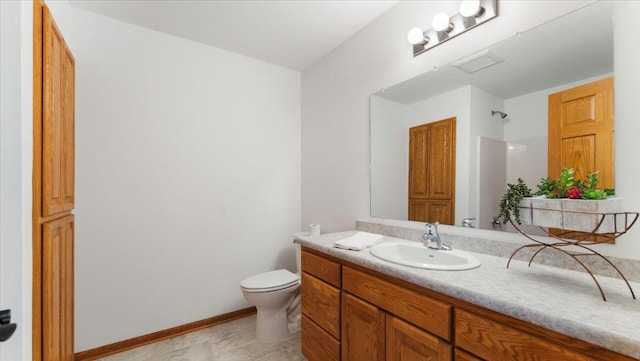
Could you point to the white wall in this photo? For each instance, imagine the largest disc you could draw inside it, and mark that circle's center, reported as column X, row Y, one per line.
column 16, row 70
column 627, row 76
column 187, row 176
column 389, row 177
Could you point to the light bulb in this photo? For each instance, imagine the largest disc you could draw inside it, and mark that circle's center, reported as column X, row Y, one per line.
column 415, row 36
column 441, row 22
column 470, row 8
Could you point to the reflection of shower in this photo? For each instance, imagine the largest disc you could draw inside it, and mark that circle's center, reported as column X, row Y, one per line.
column 502, row 115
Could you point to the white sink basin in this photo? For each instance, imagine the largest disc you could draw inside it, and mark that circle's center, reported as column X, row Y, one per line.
column 417, row 255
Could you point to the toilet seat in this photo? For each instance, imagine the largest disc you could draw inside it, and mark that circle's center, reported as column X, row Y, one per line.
column 270, row 281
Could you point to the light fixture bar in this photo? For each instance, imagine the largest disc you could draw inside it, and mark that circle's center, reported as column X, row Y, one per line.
column 478, row 11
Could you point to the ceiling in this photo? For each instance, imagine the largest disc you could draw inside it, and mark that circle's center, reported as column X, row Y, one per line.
column 291, row 33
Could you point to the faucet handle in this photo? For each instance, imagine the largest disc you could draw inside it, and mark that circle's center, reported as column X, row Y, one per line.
column 468, row 222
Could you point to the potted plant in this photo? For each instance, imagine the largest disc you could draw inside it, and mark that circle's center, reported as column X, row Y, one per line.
column 573, row 205
column 515, row 203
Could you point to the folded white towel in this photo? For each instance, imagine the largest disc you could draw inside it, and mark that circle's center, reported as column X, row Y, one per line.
column 359, row 241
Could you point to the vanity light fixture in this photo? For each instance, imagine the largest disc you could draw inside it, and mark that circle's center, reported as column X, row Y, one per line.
column 444, row 27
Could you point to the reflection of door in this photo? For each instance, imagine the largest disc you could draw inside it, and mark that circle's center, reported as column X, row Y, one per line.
column 581, row 131
column 53, row 190
column 432, row 162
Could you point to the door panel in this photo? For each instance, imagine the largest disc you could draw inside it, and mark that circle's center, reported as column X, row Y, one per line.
column 363, row 330
column 57, row 121
column 418, row 161
column 406, row 342
column 581, row 131
column 57, row 288
column 441, row 159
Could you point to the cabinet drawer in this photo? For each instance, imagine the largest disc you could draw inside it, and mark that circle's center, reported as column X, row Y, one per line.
column 322, row 268
column 424, row 312
column 494, row 341
column 317, row 344
column 321, row 303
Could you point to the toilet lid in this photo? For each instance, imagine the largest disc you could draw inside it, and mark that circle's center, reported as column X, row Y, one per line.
column 275, row 279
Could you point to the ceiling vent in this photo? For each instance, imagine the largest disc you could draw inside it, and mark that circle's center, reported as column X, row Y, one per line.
column 478, row 61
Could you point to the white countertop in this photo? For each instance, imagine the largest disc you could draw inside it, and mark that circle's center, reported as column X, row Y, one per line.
column 561, row 300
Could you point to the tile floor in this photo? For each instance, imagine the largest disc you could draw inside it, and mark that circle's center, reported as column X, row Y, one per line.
column 231, row 341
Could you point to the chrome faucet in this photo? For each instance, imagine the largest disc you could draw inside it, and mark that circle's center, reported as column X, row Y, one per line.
column 432, row 238
column 468, row 222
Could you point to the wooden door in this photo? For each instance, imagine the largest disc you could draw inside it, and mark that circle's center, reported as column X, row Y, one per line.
column 362, row 330
column 581, row 131
column 432, row 163
column 406, row 342
column 53, row 190
column 418, row 162
column 442, row 154
column 57, row 121
column 57, row 288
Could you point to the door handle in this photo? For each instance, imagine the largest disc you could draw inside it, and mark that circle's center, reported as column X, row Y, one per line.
column 6, row 327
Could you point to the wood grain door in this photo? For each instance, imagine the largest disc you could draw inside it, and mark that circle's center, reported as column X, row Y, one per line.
column 418, row 162
column 432, row 162
column 362, row 330
column 57, row 288
column 581, row 133
column 406, row 342
column 58, row 75
column 53, row 190
column 442, row 159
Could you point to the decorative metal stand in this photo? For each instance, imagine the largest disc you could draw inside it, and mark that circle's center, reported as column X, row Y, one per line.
column 582, row 240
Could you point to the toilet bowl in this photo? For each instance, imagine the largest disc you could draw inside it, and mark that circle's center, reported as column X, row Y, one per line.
column 276, row 296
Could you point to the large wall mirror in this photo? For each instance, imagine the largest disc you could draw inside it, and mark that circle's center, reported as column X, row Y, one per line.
column 514, row 77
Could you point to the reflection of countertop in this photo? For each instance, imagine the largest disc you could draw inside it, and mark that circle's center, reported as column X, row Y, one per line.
column 561, row 300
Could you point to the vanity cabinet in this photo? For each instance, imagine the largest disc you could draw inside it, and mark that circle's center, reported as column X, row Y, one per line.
column 320, row 292
column 374, row 326
column 384, row 318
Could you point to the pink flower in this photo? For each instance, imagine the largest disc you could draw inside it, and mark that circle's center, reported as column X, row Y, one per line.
column 574, row 193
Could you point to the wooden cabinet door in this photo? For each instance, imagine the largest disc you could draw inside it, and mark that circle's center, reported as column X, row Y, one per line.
column 58, row 74
column 418, row 210
column 432, row 162
column 406, row 342
column 581, row 131
column 442, row 159
column 57, row 288
column 440, row 211
column 418, row 161
column 362, row 330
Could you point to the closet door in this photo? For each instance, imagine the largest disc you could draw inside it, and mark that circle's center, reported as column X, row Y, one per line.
column 57, row 121
column 57, row 288
column 53, row 191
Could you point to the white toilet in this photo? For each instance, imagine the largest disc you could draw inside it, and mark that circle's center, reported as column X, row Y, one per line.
column 276, row 296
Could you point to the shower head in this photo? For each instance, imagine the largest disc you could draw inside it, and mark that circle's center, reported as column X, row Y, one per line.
column 502, row 115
